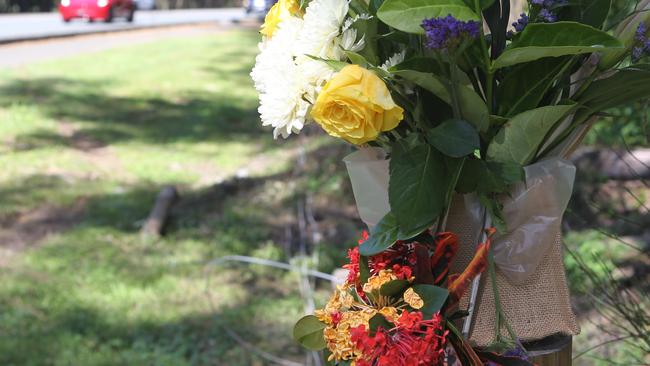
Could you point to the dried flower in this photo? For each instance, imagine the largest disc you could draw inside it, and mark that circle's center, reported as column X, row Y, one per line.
column 458, row 284
column 446, row 249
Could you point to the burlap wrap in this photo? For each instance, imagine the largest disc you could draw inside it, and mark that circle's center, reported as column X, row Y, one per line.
column 536, row 309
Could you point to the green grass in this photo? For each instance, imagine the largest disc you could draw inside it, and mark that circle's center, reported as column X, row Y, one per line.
column 106, row 131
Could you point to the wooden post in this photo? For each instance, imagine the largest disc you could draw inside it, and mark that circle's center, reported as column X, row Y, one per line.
column 551, row 351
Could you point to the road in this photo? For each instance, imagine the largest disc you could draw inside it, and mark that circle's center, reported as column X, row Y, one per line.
column 15, row 27
column 18, row 54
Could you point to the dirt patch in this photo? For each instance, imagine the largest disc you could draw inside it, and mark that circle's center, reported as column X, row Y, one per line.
column 100, row 154
column 26, row 229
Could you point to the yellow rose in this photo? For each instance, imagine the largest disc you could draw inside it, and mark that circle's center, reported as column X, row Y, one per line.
column 282, row 10
column 356, row 106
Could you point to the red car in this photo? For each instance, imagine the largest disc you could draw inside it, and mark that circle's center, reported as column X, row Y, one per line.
column 92, row 10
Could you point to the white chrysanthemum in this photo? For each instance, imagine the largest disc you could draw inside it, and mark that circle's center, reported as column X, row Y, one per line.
column 323, row 37
column 349, row 41
column 280, row 84
column 323, row 20
column 394, row 60
column 286, row 76
column 350, row 21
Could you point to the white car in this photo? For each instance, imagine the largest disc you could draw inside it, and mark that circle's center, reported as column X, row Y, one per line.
column 258, row 6
column 145, row 4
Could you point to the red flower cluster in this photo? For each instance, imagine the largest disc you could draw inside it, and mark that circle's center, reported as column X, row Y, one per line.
column 353, row 266
column 400, row 259
column 412, row 342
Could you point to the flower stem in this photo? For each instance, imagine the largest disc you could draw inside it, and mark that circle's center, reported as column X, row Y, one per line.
column 490, row 87
column 488, row 62
column 495, row 291
column 453, row 88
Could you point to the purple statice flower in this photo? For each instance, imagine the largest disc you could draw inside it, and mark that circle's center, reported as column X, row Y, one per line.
column 641, row 43
column 637, row 53
column 446, row 34
column 515, row 352
column 640, row 34
column 548, row 11
column 521, row 23
column 547, row 15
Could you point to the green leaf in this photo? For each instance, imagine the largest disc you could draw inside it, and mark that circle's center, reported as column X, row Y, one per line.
column 485, row 177
column 540, row 40
column 590, row 12
column 500, row 176
column 625, row 86
column 419, row 63
column 483, row 3
column 326, row 356
column 378, row 321
column 382, row 236
column 364, row 269
column 334, row 64
column 308, row 331
column 524, row 87
column 374, row 6
column 368, row 27
column 434, row 298
column 356, row 58
column 495, row 210
column 472, row 107
column 393, row 288
column 417, row 186
column 407, row 15
column 359, row 6
column 521, row 137
column 427, row 65
column 626, row 33
column 455, row 138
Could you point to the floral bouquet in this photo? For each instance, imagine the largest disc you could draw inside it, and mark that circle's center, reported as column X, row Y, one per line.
column 394, row 308
column 460, row 99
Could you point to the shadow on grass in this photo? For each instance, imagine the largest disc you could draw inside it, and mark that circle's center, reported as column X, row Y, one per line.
column 83, row 336
column 191, row 116
column 84, row 298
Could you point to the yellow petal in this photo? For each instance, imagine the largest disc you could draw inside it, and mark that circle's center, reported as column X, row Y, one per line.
column 413, row 299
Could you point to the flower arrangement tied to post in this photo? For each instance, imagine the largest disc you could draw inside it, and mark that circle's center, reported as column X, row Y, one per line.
column 460, row 101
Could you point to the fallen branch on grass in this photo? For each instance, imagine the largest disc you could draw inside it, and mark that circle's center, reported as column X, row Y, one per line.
column 155, row 223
